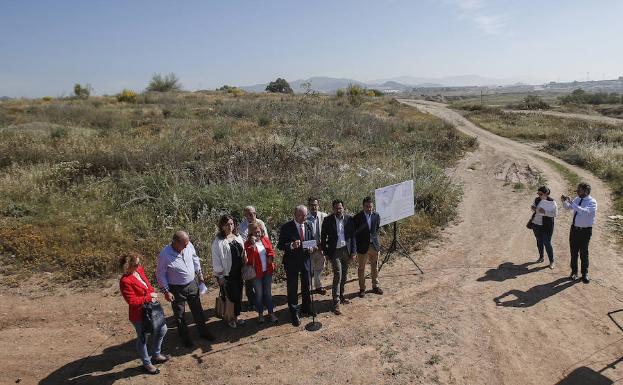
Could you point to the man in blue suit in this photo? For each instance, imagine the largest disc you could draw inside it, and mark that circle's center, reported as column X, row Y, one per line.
column 296, row 261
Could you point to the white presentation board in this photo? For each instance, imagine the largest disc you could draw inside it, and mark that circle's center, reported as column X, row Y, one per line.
column 395, row 202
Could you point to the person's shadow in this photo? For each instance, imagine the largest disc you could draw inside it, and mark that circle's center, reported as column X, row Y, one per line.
column 508, row 270
column 535, row 294
column 100, row 368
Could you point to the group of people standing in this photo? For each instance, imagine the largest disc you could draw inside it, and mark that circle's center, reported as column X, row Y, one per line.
column 308, row 241
column 545, row 209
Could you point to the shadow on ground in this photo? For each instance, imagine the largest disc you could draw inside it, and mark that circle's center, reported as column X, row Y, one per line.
column 535, row 294
column 508, row 270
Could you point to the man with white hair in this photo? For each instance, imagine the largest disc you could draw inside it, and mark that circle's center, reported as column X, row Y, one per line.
column 296, row 261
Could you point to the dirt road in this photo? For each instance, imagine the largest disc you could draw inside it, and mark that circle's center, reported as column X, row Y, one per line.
column 483, row 312
column 592, row 118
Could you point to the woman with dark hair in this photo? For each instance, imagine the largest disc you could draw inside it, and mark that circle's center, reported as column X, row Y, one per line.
column 137, row 291
column 545, row 210
column 228, row 257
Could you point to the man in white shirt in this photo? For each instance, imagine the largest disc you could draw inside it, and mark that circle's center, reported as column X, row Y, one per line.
column 338, row 244
column 315, row 219
column 584, row 208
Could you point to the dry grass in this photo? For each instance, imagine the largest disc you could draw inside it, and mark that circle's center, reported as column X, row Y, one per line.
column 84, row 180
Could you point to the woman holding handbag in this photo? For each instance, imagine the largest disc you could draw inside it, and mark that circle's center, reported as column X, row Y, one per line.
column 228, row 258
column 137, row 291
column 260, row 255
column 544, row 211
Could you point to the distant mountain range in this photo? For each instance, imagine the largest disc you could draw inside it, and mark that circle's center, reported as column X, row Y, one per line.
column 401, row 83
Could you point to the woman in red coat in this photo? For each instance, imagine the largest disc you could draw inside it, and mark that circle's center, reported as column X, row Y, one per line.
column 137, row 291
column 260, row 255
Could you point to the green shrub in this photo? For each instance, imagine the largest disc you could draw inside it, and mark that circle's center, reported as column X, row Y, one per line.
column 81, row 92
column 340, row 92
column 166, row 83
column 46, row 98
column 355, row 94
column 127, row 96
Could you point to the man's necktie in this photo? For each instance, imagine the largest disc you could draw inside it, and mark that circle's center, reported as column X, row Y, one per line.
column 576, row 212
column 301, row 233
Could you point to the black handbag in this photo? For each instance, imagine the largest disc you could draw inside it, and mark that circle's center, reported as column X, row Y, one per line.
column 153, row 317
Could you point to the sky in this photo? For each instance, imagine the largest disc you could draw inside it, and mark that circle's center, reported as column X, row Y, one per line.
column 48, row 46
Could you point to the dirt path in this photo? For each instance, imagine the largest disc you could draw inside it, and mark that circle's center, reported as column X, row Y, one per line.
column 592, row 118
column 443, row 327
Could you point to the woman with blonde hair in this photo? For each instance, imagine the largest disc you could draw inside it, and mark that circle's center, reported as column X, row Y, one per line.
column 260, row 255
column 137, row 291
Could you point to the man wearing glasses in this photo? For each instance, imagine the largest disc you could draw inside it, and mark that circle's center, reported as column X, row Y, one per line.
column 584, row 207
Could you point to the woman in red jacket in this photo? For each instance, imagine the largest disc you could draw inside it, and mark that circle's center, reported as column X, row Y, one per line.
column 136, row 291
column 260, row 254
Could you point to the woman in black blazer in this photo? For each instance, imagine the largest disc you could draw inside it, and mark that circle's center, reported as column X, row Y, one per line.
column 545, row 210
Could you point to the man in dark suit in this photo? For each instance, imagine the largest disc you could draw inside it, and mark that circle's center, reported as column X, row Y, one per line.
column 337, row 239
column 296, row 261
column 367, row 223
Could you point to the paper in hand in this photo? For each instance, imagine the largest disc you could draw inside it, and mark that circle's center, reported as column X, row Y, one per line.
column 309, row 244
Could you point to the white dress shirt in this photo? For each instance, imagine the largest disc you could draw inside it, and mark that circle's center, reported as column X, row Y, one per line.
column 586, row 211
column 262, row 251
column 341, row 239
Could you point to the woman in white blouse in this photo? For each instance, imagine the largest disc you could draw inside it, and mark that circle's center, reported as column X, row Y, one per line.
column 545, row 210
column 228, row 257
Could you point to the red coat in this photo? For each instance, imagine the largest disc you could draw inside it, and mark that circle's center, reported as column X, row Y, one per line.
column 254, row 257
column 135, row 293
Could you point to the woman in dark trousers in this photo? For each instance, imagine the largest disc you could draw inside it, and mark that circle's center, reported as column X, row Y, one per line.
column 228, row 257
column 545, row 210
column 137, row 291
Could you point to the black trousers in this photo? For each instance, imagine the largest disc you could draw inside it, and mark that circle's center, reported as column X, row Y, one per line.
column 293, row 271
column 187, row 293
column 578, row 242
column 249, row 290
column 233, row 286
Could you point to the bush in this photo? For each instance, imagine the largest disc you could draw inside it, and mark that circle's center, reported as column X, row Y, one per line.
column 127, row 96
column 81, row 92
column 279, row 86
column 531, row 102
column 46, row 98
column 355, row 94
column 579, row 96
column 167, row 83
column 340, row 92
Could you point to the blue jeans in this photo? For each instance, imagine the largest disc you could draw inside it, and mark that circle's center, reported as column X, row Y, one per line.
column 263, row 294
column 543, row 241
column 141, row 342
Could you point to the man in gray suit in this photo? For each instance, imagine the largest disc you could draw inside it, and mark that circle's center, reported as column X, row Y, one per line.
column 367, row 223
column 315, row 219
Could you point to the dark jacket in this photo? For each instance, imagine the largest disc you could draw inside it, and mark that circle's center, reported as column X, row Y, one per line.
column 328, row 235
column 288, row 234
column 367, row 235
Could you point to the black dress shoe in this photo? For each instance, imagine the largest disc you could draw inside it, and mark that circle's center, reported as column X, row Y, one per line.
column 208, row 336
column 585, row 279
column 573, row 277
column 344, row 301
column 187, row 342
column 362, row 293
column 377, row 290
column 296, row 321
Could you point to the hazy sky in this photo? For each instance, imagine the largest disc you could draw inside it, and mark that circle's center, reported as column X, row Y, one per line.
column 47, row 46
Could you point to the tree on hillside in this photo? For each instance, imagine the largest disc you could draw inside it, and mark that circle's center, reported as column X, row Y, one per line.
column 159, row 83
column 280, row 85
